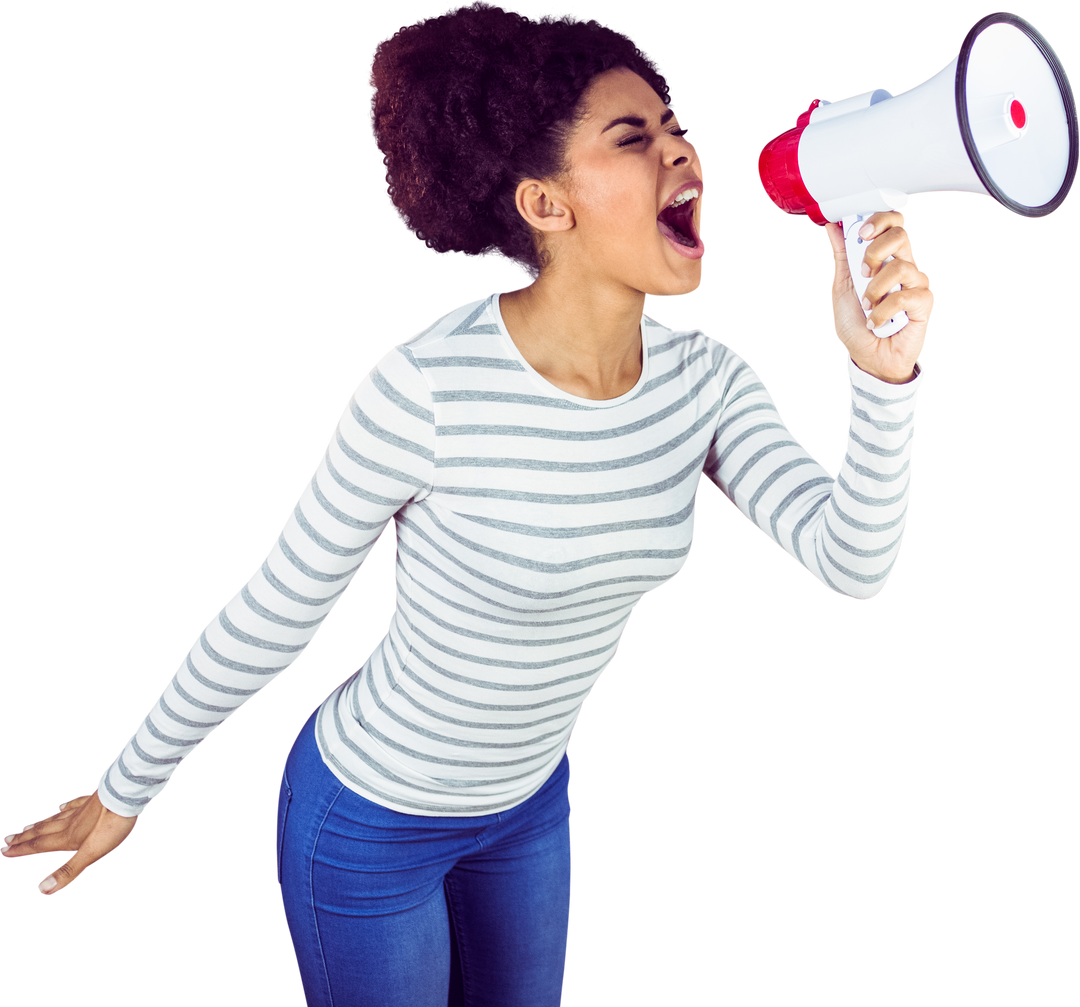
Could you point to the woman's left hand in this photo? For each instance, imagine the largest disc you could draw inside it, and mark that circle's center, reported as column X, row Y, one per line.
column 893, row 358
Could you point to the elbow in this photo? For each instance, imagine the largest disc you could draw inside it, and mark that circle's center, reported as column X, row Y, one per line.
column 859, row 590
column 863, row 591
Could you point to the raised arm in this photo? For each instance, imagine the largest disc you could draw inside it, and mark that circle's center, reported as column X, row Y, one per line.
column 845, row 530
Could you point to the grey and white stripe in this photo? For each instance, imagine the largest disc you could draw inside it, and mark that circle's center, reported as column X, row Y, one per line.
column 529, row 523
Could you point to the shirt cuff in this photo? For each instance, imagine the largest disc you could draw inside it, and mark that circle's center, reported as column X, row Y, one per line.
column 887, row 389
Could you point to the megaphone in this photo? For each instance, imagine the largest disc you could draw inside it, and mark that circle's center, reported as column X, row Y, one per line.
column 999, row 119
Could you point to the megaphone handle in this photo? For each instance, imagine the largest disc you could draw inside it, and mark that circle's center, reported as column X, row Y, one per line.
column 856, row 249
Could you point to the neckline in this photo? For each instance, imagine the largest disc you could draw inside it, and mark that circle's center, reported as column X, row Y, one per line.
column 538, row 378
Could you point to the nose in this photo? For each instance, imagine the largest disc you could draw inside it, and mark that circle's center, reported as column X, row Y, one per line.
column 676, row 155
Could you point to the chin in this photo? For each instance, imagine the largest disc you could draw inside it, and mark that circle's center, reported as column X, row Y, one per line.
column 687, row 290
column 686, row 280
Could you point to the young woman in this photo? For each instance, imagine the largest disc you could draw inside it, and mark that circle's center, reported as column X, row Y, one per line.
column 539, row 452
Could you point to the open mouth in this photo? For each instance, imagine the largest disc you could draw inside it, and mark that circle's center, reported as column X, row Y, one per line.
column 676, row 223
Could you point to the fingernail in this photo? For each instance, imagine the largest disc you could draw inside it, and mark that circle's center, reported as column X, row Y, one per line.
column 8, row 839
column 865, row 269
column 4, row 849
column 866, row 230
column 869, row 324
column 47, row 885
column 865, row 304
column 27, row 828
column 64, row 805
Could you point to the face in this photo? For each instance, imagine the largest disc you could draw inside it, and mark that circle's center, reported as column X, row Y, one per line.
column 633, row 187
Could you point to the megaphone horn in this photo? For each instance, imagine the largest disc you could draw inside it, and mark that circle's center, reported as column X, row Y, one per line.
column 999, row 119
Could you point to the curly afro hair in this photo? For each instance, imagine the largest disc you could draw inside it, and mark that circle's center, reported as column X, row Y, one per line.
column 468, row 104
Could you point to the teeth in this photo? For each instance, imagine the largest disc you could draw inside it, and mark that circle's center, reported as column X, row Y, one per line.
column 684, row 197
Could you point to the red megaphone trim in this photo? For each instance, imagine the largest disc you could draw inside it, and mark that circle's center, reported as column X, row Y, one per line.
column 778, row 167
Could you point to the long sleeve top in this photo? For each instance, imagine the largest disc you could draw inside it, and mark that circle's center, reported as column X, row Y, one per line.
column 529, row 523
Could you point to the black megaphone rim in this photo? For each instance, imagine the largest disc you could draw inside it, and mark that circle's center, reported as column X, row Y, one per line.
column 965, row 128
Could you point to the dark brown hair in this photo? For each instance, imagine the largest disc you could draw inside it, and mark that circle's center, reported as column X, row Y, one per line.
column 468, row 104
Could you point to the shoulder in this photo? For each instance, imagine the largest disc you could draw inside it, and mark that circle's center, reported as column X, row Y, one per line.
column 463, row 350
column 708, row 367
column 451, row 340
column 469, row 330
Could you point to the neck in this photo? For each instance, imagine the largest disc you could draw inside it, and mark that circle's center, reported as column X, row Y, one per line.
column 582, row 335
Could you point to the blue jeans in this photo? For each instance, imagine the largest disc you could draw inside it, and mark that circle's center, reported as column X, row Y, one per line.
column 395, row 910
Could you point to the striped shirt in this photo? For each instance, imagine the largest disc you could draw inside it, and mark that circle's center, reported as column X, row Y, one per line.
column 529, row 523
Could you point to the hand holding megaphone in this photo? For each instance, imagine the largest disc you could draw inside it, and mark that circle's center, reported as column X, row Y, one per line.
column 999, row 120
column 894, row 283
column 856, row 236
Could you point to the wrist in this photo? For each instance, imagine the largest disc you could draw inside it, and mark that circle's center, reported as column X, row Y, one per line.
column 890, row 376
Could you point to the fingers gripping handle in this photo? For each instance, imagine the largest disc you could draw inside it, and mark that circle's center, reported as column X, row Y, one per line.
column 856, row 249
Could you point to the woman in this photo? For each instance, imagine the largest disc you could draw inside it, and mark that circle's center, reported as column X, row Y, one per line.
column 539, row 452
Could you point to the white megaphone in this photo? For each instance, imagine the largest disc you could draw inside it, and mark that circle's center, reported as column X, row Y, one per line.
column 999, row 119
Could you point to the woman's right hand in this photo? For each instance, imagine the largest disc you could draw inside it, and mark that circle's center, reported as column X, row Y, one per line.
column 84, row 825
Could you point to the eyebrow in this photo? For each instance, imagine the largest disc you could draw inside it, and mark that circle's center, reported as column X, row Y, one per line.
column 636, row 121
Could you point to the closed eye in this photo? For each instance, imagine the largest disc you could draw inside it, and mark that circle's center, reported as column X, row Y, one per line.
column 682, row 131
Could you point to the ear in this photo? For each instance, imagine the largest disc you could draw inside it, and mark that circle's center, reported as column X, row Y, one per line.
column 543, row 206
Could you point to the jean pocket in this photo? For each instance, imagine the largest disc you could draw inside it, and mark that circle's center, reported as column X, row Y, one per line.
column 284, row 800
